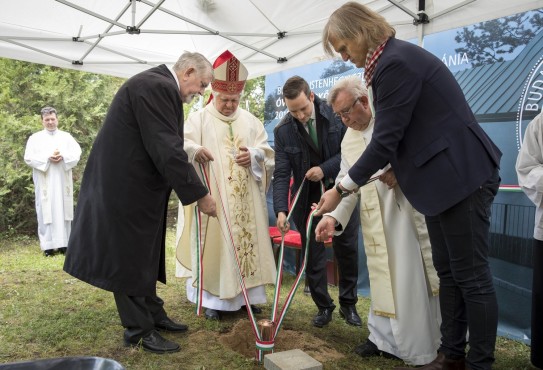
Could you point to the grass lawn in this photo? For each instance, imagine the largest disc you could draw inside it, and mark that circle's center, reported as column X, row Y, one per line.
column 45, row 313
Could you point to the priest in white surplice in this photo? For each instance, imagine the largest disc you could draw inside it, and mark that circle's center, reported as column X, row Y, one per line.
column 404, row 316
column 52, row 154
column 231, row 144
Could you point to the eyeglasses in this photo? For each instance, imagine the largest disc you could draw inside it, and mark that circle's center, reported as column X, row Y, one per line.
column 48, row 110
column 347, row 112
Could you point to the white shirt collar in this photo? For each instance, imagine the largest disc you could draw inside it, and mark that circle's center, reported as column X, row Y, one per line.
column 174, row 76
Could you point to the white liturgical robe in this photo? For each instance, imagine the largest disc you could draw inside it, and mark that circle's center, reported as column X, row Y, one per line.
column 242, row 218
column 404, row 316
column 53, row 184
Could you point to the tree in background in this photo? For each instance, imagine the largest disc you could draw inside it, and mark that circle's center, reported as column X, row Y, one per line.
column 81, row 99
column 253, row 97
column 336, row 68
column 487, row 42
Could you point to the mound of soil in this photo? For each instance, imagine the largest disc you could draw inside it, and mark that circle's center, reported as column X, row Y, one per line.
column 241, row 339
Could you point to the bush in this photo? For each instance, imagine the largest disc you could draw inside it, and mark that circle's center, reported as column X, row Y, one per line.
column 81, row 99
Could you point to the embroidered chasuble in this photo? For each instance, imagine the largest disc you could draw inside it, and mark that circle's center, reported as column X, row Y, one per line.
column 240, row 194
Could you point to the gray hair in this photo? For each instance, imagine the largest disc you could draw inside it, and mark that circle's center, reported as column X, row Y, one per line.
column 351, row 84
column 354, row 21
column 48, row 110
column 193, row 60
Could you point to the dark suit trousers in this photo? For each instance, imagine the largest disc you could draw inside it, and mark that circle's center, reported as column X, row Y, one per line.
column 346, row 252
column 460, row 244
column 139, row 314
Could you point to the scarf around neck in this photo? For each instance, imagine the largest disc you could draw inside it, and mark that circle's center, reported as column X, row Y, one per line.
column 371, row 62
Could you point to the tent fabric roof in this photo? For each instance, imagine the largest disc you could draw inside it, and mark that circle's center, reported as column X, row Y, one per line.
column 124, row 37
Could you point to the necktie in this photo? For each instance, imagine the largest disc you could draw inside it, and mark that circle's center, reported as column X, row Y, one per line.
column 312, row 131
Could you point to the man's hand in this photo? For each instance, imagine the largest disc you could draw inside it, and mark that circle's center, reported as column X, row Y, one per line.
column 314, row 174
column 243, row 158
column 207, row 205
column 56, row 157
column 329, row 201
column 282, row 223
column 203, row 155
column 325, row 228
column 389, row 178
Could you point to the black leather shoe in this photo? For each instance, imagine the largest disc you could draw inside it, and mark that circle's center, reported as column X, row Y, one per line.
column 324, row 316
column 254, row 308
column 154, row 342
column 441, row 362
column 211, row 314
column 369, row 349
column 62, row 250
column 168, row 325
column 350, row 315
column 49, row 252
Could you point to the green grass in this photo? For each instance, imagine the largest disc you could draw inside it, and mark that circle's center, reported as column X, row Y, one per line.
column 45, row 313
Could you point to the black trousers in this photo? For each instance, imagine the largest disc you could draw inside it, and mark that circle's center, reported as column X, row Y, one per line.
column 346, row 252
column 537, row 306
column 139, row 314
column 460, row 245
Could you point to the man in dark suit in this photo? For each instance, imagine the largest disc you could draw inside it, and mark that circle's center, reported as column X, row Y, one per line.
column 307, row 145
column 446, row 165
column 118, row 235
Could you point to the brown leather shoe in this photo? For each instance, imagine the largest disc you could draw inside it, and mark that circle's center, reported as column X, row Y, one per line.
column 441, row 363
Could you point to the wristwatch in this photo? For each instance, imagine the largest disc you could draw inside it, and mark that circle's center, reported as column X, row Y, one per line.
column 343, row 193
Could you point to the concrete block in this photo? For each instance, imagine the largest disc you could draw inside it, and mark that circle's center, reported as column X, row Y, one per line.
column 295, row 359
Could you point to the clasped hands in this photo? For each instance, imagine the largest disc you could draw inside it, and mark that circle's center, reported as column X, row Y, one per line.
column 56, row 157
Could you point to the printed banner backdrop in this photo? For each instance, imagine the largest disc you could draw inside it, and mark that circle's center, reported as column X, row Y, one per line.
column 320, row 77
column 502, row 78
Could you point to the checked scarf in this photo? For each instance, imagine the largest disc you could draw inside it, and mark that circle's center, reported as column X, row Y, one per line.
column 371, row 62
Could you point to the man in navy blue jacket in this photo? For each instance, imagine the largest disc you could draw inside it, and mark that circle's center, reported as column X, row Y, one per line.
column 446, row 165
column 307, row 145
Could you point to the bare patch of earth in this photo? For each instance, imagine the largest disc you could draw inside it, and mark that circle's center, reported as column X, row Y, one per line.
column 241, row 339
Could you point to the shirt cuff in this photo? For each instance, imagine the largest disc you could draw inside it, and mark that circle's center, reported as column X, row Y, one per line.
column 348, row 184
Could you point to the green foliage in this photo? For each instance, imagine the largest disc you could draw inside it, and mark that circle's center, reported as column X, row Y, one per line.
column 81, row 99
column 253, row 98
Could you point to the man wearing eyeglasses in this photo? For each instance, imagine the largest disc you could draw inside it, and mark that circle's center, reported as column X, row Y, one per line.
column 52, row 154
column 307, row 146
column 404, row 317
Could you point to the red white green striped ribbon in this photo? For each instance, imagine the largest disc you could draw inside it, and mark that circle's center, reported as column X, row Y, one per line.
column 229, row 238
column 278, row 283
column 199, row 248
column 199, row 265
column 261, row 345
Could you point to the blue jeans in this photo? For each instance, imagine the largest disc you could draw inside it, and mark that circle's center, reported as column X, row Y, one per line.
column 460, row 243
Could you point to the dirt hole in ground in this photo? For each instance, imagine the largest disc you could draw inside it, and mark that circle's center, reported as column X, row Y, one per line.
column 241, row 339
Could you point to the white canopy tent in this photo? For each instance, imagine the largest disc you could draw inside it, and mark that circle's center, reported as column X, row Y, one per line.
column 124, row 37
